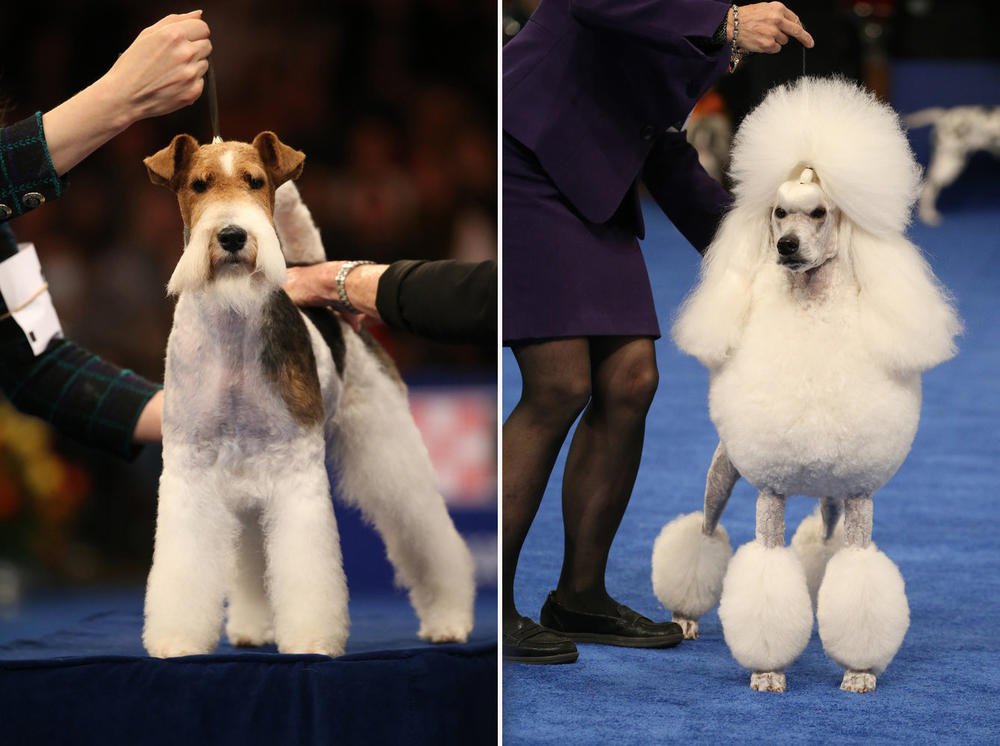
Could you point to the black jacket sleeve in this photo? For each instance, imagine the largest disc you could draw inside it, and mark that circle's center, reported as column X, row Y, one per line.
column 446, row 301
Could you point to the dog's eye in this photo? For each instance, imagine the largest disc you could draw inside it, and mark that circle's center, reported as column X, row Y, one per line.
column 254, row 182
column 199, row 185
column 818, row 213
column 779, row 213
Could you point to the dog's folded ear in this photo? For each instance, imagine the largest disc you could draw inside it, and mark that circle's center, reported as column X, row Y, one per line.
column 282, row 161
column 167, row 164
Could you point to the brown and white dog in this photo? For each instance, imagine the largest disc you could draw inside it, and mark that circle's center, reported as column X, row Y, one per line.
column 263, row 406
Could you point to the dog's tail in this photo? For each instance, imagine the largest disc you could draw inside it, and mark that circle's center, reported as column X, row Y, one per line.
column 923, row 117
column 299, row 236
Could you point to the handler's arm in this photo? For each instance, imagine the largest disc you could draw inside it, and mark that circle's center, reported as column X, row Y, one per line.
column 693, row 200
column 764, row 27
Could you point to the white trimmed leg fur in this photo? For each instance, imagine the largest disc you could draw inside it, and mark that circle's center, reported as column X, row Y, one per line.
column 765, row 610
column 863, row 614
column 688, row 569
column 382, row 466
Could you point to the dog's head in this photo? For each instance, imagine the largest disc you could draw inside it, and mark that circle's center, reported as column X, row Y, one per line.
column 226, row 195
column 804, row 223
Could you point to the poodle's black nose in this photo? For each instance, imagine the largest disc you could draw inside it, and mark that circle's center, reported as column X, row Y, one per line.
column 788, row 245
column 232, row 238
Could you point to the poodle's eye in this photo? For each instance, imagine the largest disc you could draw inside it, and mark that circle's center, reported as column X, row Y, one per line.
column 199, row 185
column 254, row 182
column 779, row 213
column 818, row 213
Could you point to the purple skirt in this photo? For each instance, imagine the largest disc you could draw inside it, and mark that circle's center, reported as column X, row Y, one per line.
column 562, row 275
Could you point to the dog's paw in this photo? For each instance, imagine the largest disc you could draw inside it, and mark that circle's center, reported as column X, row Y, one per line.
column 688, row 626
column 314, row 646
column 250, row 638
column 858, row 681
column 767, row 681
column 244, row 634
column 445, row 632
column 174, row 649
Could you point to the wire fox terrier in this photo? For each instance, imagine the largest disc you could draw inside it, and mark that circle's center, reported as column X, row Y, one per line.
column 263, row 405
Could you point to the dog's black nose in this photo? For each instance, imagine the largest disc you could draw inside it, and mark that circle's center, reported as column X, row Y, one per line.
column 232, row 238
column 788, row 245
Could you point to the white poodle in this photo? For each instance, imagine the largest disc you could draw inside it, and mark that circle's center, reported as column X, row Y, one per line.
column 815, row 317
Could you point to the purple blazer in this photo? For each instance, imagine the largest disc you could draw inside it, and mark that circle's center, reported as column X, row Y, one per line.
column 598, row 89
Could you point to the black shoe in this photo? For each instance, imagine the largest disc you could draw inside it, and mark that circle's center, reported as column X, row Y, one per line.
column 527, row 642
column 627, row 628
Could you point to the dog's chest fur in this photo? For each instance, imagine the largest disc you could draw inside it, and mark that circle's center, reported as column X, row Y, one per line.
column 786, row 404
column 244, row 379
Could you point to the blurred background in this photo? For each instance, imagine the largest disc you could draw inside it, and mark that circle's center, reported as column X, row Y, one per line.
column 394, row 104
column 914, row 54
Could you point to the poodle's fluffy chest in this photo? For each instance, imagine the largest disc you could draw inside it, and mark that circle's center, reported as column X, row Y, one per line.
column 801, row 405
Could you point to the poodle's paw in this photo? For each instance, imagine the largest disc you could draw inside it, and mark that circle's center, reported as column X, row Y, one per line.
column 767, row 681
column 688, row 626
column 174, row 647
column 445, row 631
column 858, row 681
column 249, row 635
column 312, row 646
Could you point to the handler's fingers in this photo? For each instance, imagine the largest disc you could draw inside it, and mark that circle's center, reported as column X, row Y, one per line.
column 795, row 30
column 200, row 49
column 193, row 29
column 167, row 20
column 791, row 16
column 780, row 38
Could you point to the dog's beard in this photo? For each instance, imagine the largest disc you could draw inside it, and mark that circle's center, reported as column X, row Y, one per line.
column 194, row 270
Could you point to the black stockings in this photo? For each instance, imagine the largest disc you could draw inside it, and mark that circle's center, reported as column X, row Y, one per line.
column 612, row 380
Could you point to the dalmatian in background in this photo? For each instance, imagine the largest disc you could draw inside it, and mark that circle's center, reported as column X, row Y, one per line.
column 958, row 133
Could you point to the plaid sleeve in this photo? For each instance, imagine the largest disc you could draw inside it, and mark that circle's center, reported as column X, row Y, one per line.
column 83, row 396
column 27, row 178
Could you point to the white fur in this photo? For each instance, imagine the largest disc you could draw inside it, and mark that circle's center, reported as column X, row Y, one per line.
column 244, row 508
column 192, row 271
column 813, row 551
column 863, row 614
column 299, row 235
column 815, row 350
column 688, row 566
column 765, row 610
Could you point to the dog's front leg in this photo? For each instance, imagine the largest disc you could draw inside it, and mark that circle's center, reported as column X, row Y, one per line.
column 250, row 620
column 305, row 576
column 192, row 555
column 765, row 609
column 862, row 610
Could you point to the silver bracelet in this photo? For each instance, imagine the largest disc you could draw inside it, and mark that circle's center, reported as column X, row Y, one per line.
column 736, row 54
column 345, row 269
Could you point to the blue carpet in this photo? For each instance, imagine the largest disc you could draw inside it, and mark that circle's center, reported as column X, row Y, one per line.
column 73, row 671
column 937, row 519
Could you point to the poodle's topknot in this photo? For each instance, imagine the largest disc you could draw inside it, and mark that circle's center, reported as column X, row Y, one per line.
column 860, row 155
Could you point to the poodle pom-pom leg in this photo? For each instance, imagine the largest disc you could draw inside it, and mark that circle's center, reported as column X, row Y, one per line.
column 765, row 612
column 688, row 569
column 765, row 609
column 863, row 613
column 815, row 543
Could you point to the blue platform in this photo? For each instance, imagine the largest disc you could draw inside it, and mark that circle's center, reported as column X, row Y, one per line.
column 73, row 671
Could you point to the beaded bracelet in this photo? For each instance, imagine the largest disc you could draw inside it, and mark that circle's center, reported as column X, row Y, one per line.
column 736, row 54
column 340, row 283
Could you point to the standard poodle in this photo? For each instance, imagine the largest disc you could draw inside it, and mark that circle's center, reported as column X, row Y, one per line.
column 815, row 317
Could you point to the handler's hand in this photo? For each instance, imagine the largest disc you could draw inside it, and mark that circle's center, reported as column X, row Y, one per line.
column 163, row 69
column 316, row 285
column 766, row 27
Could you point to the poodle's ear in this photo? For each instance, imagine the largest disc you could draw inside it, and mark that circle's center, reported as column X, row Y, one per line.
column 710, row 322
column 907, row 317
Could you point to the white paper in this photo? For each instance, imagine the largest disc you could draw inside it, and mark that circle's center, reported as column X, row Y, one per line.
column 20, row 278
